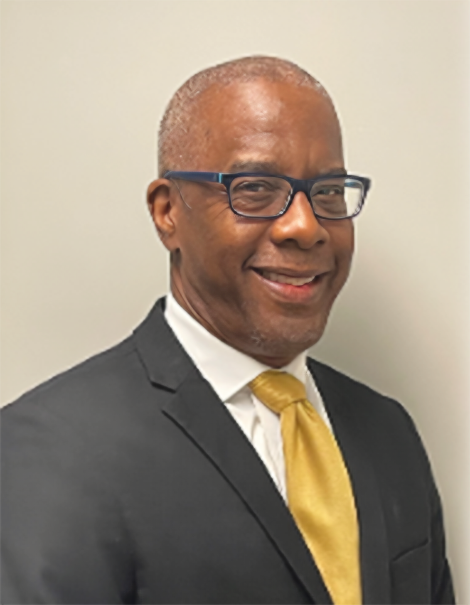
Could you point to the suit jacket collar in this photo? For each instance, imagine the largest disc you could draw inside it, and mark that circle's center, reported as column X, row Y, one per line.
column 164, row 359
column 198, row 411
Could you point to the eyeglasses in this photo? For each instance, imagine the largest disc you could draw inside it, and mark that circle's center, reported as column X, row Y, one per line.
column 267, row 196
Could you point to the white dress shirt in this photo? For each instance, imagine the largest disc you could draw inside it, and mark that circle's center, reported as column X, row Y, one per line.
column 229, row 371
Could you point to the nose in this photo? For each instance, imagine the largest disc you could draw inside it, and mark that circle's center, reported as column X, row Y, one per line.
column 299, row 225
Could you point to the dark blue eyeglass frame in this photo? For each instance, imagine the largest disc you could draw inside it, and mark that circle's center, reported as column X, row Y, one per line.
column 303, row 185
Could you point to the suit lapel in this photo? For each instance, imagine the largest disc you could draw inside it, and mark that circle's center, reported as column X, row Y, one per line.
column 373, row 538
column 197, row 410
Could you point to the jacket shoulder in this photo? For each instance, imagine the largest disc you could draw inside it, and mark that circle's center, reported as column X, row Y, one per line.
column 381, row 422
column 97, row 371
column 357, row 394
column 100, row 396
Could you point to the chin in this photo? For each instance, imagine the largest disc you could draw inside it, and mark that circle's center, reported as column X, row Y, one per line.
column 285, row 339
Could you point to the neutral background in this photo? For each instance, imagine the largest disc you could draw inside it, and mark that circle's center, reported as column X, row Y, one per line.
column 84, row 84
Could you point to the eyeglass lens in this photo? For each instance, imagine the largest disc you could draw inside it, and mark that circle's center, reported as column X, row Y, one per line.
column 335, row 197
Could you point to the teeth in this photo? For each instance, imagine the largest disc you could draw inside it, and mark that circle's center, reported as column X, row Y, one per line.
column 286, row 279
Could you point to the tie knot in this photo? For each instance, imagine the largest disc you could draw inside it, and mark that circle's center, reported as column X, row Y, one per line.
column 277, row 389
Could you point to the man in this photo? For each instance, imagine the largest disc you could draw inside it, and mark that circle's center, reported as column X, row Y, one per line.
column 206, row 459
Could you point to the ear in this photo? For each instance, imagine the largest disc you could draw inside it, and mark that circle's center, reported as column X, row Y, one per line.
column 162, row 209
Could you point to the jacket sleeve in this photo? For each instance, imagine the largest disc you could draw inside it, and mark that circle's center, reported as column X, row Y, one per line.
column 442, row 588
column 442, row 591
column 62, row 532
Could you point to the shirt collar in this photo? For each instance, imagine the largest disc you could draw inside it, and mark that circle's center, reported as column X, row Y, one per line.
column 226, row 369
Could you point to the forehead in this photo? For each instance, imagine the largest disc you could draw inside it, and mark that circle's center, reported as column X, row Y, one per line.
column 292, row 127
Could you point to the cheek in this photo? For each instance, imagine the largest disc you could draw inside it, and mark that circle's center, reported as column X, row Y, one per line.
column 215, row 247
column 342, row 242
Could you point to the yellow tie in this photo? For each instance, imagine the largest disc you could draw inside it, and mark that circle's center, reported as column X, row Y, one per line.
column 319, row 491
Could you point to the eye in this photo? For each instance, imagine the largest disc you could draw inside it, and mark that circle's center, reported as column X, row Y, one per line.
column 336, row 197
column 250, row 186
column 330, row 190
column 260, row 194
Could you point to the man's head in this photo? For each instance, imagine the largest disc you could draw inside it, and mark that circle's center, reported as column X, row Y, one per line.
column 254, row 114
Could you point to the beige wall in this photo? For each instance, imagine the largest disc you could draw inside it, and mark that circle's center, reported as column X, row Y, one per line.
column 84, row 83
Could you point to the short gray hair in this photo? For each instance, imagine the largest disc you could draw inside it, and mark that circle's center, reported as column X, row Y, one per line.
column 175, row 137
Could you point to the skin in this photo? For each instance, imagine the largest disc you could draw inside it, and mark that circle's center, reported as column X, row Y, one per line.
column 217, row 256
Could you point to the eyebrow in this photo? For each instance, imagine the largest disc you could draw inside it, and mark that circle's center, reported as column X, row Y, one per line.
column 273, row 168
column 254, row 166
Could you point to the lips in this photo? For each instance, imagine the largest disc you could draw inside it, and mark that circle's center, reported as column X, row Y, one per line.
column 282, row 278
column 290, row 286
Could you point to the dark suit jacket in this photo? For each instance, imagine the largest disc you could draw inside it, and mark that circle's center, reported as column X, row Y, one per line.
column 126, row 480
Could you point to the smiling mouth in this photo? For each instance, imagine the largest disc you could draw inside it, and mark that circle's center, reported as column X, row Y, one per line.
column 286, row 279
